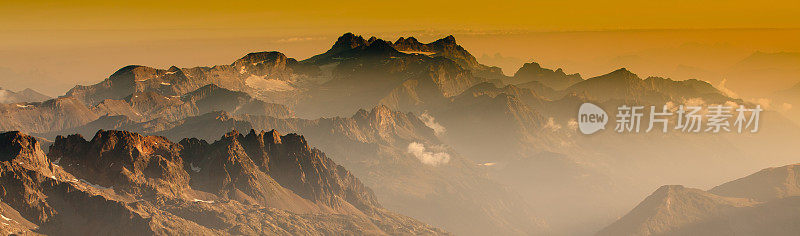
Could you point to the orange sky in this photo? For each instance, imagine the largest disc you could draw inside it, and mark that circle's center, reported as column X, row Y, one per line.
column 359, row 15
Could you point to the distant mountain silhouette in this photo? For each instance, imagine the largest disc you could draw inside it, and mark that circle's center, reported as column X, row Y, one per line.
column 764, row 203
column 26, row 95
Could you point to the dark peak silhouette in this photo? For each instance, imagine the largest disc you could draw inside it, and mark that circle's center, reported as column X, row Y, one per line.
column 446, row 40
column 134, row 72
column 261, row 57
column 622, row 72
column 380, row 46
column 409, row 40
column 554, row 79
column 348, row 41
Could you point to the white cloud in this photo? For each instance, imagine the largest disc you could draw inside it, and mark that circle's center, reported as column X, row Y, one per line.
column 431, row 123
column 294, row 39
column 694, row 102
column 428, row 157
column 732, row 104
column 572, row 124
column 725, row 90
column 551, row 124
column 769, row 104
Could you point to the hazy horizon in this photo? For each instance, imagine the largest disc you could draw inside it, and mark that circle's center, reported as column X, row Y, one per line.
column 709, row 54
column 53, row 45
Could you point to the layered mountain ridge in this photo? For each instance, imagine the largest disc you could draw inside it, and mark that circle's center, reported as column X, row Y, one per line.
column 438, row 136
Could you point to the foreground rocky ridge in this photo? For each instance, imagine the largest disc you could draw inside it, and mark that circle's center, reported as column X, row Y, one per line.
column 456, row 194
column 124, row 183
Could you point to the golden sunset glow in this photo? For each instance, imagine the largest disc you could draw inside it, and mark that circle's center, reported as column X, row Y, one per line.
column 378, row 15
column 588, row 37
column 402, row 117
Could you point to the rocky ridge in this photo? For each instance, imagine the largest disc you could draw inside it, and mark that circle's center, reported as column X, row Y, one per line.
column 127, row 183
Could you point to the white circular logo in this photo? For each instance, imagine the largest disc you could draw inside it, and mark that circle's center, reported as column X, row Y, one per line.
column 591, row 118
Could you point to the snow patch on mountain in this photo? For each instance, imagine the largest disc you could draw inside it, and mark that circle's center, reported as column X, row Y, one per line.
column 262, row 83
column 203, row 201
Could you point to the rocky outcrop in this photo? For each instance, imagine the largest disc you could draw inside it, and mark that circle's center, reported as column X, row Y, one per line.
column 125, row 183
column 247, row 162
column 135, row 164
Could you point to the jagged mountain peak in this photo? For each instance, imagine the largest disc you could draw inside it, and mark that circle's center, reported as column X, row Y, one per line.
column 19, row 147
column 348, row 41
column 350, row 46
column 409, row 40
column 288, row 159
column 150, row 194
column 446, row 46
column 269, row 137
column 380, row 46
column 378, row 114
column 132, row 163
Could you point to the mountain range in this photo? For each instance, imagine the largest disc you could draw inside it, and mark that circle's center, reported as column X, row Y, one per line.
column 125, row 183
column 26, row 95
column 763, row 203
column 422, row 131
